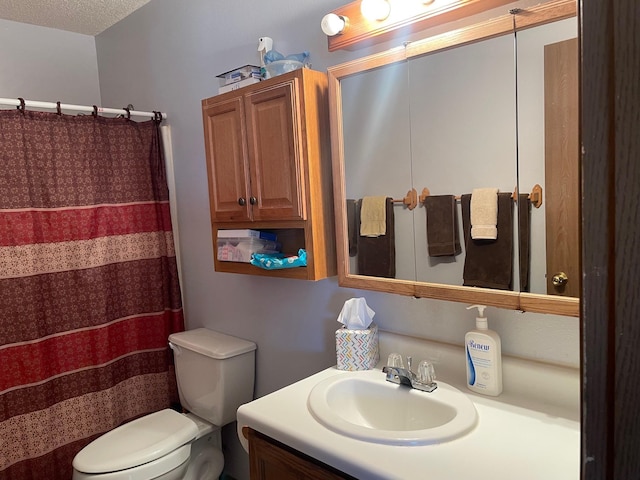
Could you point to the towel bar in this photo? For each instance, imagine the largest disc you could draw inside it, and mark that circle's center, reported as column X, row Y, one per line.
column 535, row 196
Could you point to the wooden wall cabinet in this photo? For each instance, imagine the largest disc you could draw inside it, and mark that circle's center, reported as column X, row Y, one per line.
column 269, row 168
column 271, row 460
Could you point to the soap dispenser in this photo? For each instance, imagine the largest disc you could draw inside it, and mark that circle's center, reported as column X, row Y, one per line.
column 484, row 357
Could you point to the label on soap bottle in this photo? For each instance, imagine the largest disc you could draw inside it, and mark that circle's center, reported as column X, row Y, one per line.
column 483, row 369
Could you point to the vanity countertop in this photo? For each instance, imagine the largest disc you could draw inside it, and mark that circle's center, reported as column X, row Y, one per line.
column 508, row 442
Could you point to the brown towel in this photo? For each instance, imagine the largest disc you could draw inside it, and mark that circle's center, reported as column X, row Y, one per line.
column 442, row 225
column 524, row 229
column 377, row 255
column 353, row 226
column 489, row 263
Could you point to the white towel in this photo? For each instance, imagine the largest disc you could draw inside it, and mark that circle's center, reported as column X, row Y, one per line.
column 484, row 213
column 373, row 216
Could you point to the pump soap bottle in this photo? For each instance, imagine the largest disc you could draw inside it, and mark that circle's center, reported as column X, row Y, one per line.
column 484, row 357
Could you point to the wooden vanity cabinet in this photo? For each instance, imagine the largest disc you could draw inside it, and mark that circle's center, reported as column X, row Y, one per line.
column 271, row 460
column 269, row 168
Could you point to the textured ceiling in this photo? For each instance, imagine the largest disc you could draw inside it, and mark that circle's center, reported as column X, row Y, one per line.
column 89, row 17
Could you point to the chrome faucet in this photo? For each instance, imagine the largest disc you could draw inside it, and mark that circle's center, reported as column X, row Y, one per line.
column 396, row 373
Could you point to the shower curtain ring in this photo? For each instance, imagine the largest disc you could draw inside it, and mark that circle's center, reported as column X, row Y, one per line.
column 58, row 108
column 95, row 111
column 157, row 116
column 128, row 110
column 22, row 104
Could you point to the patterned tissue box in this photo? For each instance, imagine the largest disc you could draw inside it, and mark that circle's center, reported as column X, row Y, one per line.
column 357, row 349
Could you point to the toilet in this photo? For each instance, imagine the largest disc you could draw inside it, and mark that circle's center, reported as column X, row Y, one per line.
column 215, row 375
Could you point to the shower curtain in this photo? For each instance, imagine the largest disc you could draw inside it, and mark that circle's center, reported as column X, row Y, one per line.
column 88, row 285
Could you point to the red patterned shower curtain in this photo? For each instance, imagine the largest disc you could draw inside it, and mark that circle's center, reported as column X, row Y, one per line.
column 88, row 285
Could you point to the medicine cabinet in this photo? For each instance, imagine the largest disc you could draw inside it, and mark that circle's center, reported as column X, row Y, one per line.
column 493, row 104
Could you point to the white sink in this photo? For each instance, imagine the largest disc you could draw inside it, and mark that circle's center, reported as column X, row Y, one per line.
column 365, row 406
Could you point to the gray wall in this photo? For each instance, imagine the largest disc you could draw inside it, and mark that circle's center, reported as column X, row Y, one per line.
column 165, row 57
column 45, row 64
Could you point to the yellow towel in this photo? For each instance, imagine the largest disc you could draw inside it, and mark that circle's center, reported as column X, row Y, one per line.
column 484, row 213
column 373, row 216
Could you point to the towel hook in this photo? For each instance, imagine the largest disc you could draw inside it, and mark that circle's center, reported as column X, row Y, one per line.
column 536, row 196
column 425, row 193
column 410, row 199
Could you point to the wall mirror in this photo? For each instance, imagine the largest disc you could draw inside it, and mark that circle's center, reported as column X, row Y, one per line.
column 494, row 104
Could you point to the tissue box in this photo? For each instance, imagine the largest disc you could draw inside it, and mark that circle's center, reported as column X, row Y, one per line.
column 357, row 349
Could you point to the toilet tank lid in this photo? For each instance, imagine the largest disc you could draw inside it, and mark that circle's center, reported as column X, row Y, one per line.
column 137, row 442
column 212, row 344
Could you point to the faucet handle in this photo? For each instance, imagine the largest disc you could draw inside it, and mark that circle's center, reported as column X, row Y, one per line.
column 426, row 373
column 395, row 360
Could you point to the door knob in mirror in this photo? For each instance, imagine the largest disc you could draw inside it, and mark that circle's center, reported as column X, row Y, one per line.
column 560, row 279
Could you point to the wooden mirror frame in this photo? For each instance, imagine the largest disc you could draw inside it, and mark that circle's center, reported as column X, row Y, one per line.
column 530, row 302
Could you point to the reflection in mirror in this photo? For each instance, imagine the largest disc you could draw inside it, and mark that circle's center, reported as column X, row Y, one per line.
column 463, row 138
column 455, row 120
column 377, row 152
column 548, row 152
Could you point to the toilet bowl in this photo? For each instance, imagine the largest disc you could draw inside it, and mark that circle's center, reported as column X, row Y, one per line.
column 215, row 375
column 206, row 460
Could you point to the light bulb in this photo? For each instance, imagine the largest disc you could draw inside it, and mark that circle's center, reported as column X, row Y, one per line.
column 333, row 24
column 375, row 9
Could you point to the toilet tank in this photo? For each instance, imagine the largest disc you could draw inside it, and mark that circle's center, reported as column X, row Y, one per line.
column 215, row 373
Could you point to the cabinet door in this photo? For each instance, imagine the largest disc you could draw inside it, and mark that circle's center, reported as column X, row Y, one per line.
column 274, row 138
column 227, row 164
column 272, row 461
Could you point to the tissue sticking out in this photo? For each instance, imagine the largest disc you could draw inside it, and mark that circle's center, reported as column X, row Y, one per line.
column 356, row 314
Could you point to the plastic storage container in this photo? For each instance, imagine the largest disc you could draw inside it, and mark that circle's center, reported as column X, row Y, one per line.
column 240, row 249
column 238, row 74
column 282, row 66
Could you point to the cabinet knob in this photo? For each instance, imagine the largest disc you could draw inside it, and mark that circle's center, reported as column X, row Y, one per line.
column 253, row 200
column 242, row 202
column 559, row 279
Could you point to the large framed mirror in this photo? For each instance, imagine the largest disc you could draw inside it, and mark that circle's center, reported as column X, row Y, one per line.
column 490, row 106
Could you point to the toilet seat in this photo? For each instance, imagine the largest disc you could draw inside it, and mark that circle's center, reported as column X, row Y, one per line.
column 170, row 467
column 159, row 440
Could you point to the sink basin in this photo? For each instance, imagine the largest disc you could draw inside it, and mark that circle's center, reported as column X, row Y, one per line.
column 365, row 406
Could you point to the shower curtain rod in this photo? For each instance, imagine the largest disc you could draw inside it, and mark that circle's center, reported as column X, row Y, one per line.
column 78, row 108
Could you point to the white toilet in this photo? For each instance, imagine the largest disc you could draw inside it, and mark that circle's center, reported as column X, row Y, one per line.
column 215, row 375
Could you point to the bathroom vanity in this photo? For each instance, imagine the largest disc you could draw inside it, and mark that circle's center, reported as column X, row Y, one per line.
column 531, row 431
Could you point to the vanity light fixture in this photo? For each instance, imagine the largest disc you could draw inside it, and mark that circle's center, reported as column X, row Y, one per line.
column 365, row 27
column 375, row 9
column 333, row 24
